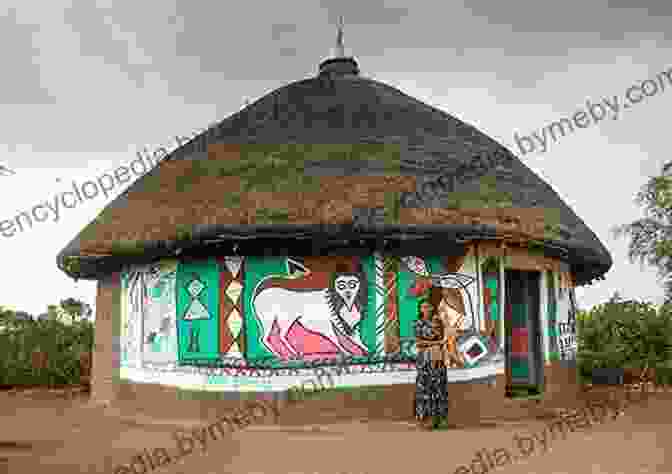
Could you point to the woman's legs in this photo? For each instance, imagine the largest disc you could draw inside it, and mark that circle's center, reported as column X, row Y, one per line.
column 431, row 396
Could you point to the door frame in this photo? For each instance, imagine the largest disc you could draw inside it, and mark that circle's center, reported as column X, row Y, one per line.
column 530, row 294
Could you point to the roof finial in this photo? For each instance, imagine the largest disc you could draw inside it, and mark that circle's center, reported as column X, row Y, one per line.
column 339, row 64
column 340, row 50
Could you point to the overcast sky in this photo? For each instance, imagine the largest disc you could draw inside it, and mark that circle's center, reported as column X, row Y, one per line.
column 86, row 84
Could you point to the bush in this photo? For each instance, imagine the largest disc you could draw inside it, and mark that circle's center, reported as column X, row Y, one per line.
column 61, row 344
column 625, row 334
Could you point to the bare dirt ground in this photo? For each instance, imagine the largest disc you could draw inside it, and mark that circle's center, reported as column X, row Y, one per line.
column 46, row 432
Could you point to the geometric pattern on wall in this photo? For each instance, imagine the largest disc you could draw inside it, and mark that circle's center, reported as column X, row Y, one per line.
column 390, row 266
column 380, row 298
column 232, row 334
column 196, row 309
column 568, row 347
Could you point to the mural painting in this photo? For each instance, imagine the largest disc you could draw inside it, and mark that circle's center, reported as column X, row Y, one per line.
column 289, row 311
column 160, row 326
column 492, row 300
column 552, row 308
column 391, row 296
column 449, row 284
column 148, row 330
column 566, row 321
column 198, row 310
column 232, row 332
column 133, row 293
column 315, row 309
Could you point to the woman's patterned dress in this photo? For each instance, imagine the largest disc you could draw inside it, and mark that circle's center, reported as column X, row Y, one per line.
column 431, row 385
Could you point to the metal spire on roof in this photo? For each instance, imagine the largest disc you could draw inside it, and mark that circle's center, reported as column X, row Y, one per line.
column 339, row 64
column 340, row 50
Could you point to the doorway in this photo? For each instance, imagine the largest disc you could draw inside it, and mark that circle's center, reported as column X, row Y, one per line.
column 524, row 351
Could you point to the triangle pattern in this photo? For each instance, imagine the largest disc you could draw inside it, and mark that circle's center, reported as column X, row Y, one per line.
column 234, row 264
column 235, row 323
column 235, row 348
column 240, row 340
column 196, row 311
column 234, row 290
column 224, row 278
column 226, row 338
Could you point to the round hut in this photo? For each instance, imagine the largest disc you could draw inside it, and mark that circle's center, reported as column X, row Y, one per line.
column 304, row 230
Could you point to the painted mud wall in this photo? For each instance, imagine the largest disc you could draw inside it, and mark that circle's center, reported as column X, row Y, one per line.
column 148, row 314
column 288, row 311
column 566, row 319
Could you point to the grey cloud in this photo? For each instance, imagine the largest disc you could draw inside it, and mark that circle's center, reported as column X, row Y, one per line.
column 371, row 12
column 20, row 67
column 281, row 29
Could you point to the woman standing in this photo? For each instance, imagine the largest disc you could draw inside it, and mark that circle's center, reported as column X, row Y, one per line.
column 431, row 386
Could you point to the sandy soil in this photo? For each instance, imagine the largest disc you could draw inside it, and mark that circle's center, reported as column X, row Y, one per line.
column 45, row 432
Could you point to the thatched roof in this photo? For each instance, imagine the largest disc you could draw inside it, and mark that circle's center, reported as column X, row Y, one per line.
column 331, row 158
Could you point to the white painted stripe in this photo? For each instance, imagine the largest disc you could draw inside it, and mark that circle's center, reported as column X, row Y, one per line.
column 278, row 383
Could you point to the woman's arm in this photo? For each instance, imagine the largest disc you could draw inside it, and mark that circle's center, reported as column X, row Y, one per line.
column 447, row 329
column 440, row 332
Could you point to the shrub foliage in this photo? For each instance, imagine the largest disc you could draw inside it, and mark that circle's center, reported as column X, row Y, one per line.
column 43, row 351
column 625, row 334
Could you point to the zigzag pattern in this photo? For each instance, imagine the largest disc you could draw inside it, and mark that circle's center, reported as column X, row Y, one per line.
column 391, row 330
column 380, row 297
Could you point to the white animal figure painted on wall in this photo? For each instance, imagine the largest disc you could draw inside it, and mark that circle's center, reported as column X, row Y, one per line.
column 297, row 321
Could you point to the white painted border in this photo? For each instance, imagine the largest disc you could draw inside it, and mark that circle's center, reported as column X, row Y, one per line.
column 279, row 383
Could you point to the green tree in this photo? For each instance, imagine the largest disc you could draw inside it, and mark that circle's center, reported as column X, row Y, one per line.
column 6, row 314
column 651, row 236
column 53, row 312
